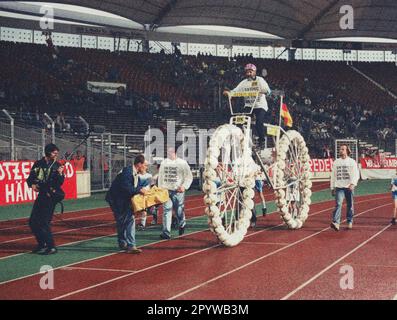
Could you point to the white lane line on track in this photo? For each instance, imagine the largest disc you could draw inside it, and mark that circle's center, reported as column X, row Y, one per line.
column 266, row 243
column 95, row 258
column 97, row 269
column 61, row 232
column 261, row 258
column 368, row 265
column 191, row 254
column 319, row 274
column 74, row 211
column 69, row 219
column 157, row 242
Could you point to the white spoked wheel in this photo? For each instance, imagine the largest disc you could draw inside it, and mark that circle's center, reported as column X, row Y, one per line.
column 292, row 174
column 228, row 186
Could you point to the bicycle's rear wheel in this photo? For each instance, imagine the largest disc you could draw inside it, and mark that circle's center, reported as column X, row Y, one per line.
column 293, row 192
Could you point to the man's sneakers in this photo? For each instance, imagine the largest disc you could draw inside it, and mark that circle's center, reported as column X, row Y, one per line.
column 393, row 221
column 335, row 226
column 129, row 249
column 44, row 251
column 264, row 211
column 49, row 251
column 133, row 250
column 39, row 250
column 165, row 236
column 154, row 221
column 141, row 227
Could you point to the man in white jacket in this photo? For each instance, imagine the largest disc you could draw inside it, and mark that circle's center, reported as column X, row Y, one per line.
column 344, row 179
column 175, row 176
column 252, row 82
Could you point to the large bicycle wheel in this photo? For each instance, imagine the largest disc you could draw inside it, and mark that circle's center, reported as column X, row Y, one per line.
column 293, row 184
column 228, row 185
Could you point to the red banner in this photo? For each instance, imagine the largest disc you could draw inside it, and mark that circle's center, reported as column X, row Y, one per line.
column 321, row 165
column 386, row 163
column 13, row 186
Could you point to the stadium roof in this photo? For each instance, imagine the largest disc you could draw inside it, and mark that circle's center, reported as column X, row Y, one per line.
column 288, row 19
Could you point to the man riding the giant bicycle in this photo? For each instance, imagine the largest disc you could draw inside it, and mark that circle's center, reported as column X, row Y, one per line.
column 254, row 83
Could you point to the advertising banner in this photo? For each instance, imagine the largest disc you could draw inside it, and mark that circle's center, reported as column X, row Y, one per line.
column 13, row 186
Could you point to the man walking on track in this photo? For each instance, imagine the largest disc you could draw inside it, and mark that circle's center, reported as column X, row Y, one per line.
column 261, row 109
column 46, row 177
column 123, row 188
column 175, row 176
column 344, row 179
column 393, row 188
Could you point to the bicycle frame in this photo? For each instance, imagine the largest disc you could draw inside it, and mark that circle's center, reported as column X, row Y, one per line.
column 243, row 120
column 230, row 171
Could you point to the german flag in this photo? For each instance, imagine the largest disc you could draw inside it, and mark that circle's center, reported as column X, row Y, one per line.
column 286, row 115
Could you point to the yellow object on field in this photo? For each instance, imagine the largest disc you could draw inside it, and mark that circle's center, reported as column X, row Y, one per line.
column 154, row 196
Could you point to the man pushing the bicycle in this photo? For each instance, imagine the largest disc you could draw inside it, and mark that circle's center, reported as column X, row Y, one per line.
column 254, row 83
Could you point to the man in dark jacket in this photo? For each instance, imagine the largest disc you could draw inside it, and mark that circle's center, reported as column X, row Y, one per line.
column 123, row 188
column 46, row 177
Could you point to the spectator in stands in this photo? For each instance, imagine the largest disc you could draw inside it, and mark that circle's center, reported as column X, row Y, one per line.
column 2, row 92
column 326, row 152
column 60, row 122
column 123, row 188
column 37, row 121
column 65, row 125
column 57, row 83
column 119, row 96
column 344, row 179
column 175, row 176
column 104, row 164
column 80, row 161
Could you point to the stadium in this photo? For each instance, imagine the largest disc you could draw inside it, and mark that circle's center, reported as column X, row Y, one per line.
column 109, row 93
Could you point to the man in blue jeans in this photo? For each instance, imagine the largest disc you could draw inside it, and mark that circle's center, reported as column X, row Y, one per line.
column 344, row 179
column 123, row 188
column 175, row 176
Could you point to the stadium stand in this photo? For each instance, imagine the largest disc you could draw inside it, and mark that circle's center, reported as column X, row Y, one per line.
column 328, row 99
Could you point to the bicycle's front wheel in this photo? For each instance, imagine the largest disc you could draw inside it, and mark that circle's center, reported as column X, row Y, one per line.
column 228, row 185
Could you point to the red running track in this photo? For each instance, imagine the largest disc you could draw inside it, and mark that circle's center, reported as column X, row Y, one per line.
column 190, row 266
column 16, row 237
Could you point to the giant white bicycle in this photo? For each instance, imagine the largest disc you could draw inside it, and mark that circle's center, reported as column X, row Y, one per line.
column 229, row 174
